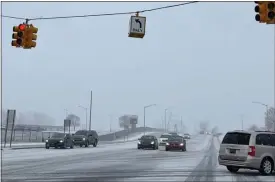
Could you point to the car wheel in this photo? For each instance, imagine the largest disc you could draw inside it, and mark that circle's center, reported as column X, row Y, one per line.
column 138, row 147
column 95, row 144
column 55, row 147
column 154, row 147
column 267, row 166
column 167, row 149
column 80, row 145
column 87, row 144
column 47, row 147
column 72, row 146
column 232, row 169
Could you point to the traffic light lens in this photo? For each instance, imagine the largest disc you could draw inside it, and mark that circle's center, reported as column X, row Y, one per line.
column 257, row 17
column 257, row 9
column 19, row 41
column 22, row 27
column 270, row 6
column 20, row 34
column 271, row 15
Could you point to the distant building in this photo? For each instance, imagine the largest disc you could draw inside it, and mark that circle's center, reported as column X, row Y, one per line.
column 270, row 119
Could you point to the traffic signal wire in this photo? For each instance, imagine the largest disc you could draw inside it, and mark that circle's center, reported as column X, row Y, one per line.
column 96, row 15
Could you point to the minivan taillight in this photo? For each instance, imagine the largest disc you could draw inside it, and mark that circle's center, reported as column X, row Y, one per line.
column 252, row 151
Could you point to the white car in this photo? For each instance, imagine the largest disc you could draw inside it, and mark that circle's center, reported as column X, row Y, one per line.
column 163, row 140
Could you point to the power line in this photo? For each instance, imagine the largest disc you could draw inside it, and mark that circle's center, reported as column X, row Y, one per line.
column 105, row 14
column 13, row 17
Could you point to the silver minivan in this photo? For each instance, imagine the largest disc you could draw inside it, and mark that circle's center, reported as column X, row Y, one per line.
column 250, row 150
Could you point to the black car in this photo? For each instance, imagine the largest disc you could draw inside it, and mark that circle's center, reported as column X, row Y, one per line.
column 86, row 138
column 148, row 141
column 175, row 143
column 61, row 140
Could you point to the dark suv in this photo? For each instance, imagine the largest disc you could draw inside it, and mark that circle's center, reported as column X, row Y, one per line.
column 86, row 138
column 61, row 140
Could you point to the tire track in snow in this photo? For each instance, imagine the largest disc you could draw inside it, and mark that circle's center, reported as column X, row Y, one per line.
column 204, row 171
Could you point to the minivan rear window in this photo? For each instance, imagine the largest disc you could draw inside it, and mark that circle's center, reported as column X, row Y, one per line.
column 236, row 138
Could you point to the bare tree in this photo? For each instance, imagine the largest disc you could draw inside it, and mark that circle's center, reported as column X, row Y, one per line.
column 204, row 126
column 253, row 128
column 215, row 130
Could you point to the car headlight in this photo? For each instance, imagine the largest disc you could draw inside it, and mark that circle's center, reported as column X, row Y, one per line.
column 83, row 138
column 46, row 140
column 61, row 141
column 138, row 142
column 167, row 143
column 181, row 144
column 152, row 142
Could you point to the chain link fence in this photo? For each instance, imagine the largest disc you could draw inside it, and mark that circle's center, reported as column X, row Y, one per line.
column 25, row 135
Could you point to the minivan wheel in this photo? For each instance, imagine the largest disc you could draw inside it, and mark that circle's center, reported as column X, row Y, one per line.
column 232, row 169
column 266, row 166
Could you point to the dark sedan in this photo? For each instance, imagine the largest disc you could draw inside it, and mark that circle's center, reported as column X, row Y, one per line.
column 148, row 141
column 61, row 140
column 176, row 143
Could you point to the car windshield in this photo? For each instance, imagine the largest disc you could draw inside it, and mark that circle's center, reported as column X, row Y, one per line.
column 165, row 136
column 58, row 135
column 236, row 138
column 81, row 132
column 175, row 139
column 147, row 138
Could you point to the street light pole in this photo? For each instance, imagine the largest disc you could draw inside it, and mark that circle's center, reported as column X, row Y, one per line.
column 86, row 113
column 242, row 121
column 165, row 111
column 144, row 112
column 267, row 107
column 111, row 120
column 165, row 118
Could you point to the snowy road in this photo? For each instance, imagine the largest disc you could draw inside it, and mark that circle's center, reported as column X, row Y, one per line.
column 122, row 162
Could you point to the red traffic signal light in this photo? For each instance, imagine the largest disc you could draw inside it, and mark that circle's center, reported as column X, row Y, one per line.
column 22, row 27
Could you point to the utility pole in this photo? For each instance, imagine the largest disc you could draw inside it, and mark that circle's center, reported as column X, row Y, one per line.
column 181, row 125
column 91, row 102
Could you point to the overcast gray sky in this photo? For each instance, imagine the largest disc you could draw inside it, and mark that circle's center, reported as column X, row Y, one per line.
column 207, row 60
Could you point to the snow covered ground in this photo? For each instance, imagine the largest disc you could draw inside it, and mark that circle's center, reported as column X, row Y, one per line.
column 123, row 162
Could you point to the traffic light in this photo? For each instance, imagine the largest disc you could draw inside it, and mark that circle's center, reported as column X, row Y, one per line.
column 30, row 36
column 271, row 12
column 18, row 35
column 261, row 10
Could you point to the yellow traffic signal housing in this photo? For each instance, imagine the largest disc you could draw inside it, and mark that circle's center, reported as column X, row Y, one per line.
column 271, row 12
column 30, row 35
column 261, row 9
column 18, row 35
